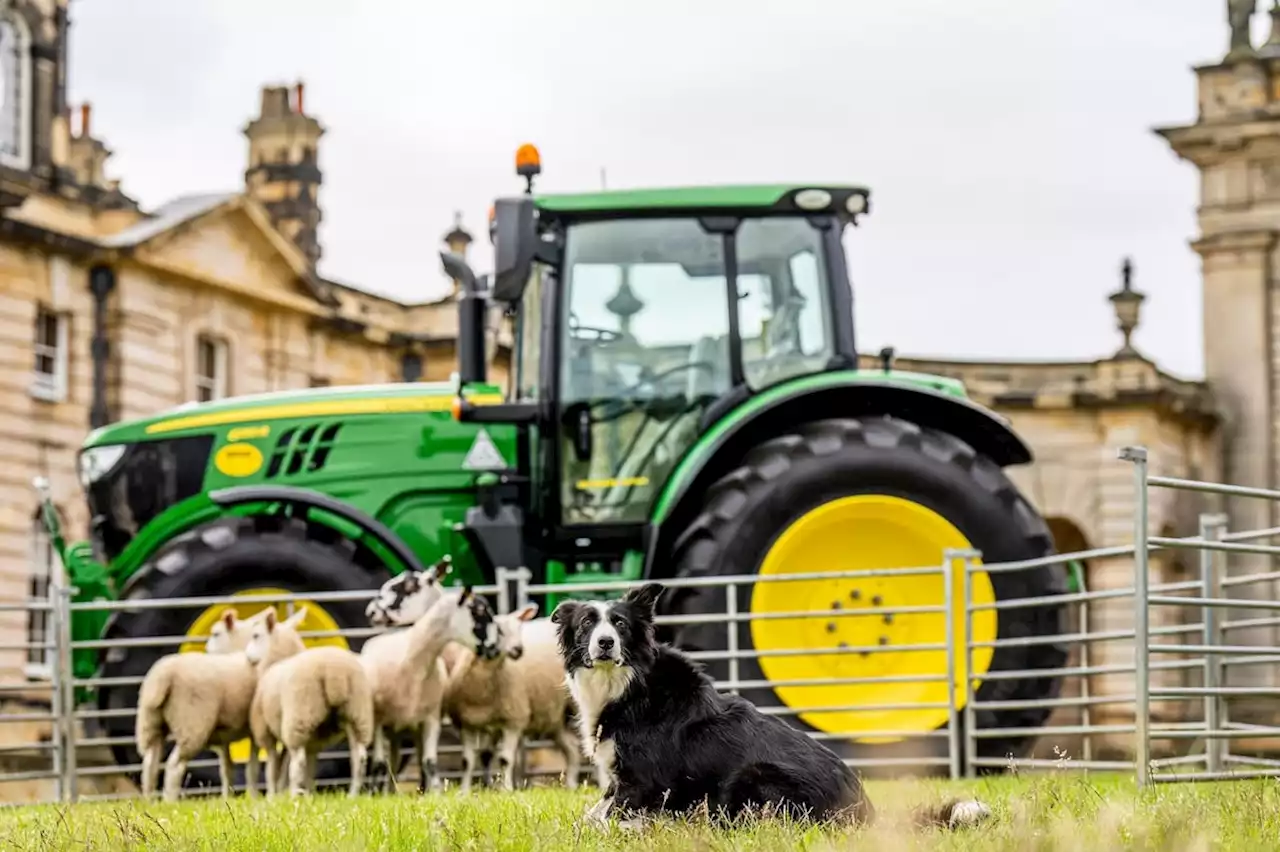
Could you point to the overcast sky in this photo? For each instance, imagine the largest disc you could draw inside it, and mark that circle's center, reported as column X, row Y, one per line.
column 1007, row 145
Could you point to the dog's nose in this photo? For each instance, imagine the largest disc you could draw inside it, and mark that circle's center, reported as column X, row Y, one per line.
column 605, row 643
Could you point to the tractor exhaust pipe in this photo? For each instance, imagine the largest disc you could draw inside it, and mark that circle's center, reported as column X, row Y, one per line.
column 472, row 301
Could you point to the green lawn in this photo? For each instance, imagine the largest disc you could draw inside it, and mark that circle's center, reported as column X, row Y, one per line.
column 1032, row 813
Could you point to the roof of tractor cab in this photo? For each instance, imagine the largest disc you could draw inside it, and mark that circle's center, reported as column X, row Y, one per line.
column 759, row 196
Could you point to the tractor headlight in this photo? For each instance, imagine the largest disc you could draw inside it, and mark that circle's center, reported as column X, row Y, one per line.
column 97, row 462
column 856, row 203
column 813, row 199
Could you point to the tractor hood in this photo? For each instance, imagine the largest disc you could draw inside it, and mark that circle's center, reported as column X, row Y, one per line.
column 348, row 400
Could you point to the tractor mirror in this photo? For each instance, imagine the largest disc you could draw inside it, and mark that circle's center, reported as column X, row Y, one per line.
column 459, row 270
column 515, row 241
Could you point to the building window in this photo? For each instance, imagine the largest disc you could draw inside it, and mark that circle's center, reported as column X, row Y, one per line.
column 211, row 368
column 15, row 100
column 40, row 622
column 49, row 381
column 411, row 367
column 320, row 382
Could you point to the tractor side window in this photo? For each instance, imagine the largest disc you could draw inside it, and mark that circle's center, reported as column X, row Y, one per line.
column 525, row 377
column 783, row 310
column 644, row 335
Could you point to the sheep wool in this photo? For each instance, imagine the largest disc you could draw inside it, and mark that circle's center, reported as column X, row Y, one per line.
column 307, row 702
column 203, row 700
column 408, row 677
column 520, row 693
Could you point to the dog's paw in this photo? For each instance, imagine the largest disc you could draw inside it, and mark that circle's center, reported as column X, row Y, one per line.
column 968, row 812
column 598, row 814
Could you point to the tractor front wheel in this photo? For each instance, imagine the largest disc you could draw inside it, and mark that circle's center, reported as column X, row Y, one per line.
column 855, row 495
column 260, row 555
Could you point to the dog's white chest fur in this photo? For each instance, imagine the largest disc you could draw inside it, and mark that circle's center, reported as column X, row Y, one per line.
column 594, row 689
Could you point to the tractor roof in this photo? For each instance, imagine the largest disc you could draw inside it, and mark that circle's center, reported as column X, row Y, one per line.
column 760, row 196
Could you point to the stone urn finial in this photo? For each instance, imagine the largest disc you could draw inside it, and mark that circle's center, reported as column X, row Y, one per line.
column 1127, row 303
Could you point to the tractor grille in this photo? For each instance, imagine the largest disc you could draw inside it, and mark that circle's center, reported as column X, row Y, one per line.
column 302, row 449
column 149, row 478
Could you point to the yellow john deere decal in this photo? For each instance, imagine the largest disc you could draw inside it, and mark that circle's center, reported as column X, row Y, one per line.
column 244, row 433
column 320, row 408
column 587, row 484
column 238, row 460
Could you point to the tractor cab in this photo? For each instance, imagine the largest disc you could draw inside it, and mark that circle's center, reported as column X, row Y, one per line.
column 641, row 317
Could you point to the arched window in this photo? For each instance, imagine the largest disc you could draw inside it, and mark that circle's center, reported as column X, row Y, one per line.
column 15, row 90
column 42, row 562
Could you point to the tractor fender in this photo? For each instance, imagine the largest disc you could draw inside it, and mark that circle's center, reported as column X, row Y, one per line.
column 375, row 529
column 216, row 503
column 777, row 409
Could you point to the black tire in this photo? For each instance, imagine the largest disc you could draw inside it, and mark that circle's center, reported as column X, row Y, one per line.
column 780, row 480
column 220, row 558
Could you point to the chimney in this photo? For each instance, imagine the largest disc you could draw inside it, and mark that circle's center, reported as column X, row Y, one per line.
column 298, row 88
column 85, row 111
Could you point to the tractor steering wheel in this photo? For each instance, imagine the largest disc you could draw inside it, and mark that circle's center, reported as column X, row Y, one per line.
column 599, row 335
column 625, row 401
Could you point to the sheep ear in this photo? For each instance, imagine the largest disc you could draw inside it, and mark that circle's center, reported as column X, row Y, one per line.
column 229, row 618
column 411, row 582
column 466, row 596
column 295, row 620
column 527, row 612
column 271, row 619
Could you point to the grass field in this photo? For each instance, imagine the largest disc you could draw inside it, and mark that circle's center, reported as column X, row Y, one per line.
column 1032, row 814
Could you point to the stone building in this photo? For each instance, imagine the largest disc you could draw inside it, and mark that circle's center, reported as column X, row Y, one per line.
column 108, row 311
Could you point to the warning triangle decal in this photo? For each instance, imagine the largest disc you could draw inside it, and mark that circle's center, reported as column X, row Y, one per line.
column 484, row 454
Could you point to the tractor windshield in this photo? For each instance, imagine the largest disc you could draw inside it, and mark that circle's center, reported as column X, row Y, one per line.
column 645, row 329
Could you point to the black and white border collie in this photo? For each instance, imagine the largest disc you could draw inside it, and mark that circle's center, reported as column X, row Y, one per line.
column 652, row 719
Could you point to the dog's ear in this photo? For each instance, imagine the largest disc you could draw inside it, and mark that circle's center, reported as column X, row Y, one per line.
column 645, row 598
column 564, row 612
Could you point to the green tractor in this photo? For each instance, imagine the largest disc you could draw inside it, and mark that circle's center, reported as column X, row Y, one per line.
column 684, row 401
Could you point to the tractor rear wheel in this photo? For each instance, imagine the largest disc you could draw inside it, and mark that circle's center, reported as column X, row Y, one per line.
column 256, row 555
column 849, row 495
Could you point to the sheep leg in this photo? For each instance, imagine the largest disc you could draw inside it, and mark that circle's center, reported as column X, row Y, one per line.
column 297, row 771
column 224, row 769
column 572, row 757
column 507, row 756
column 313, row 759
column 151, row 757
column 175, row 769
column 470, row 746
column 358, row 758
column 251, row 771
column 429, row 765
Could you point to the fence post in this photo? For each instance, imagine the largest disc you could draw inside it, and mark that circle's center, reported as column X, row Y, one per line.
column 953, row 712
column 1141, row 626
column 1212, row 527
column 505, row 579
column 731, row 646
column 970, row 717
column 65, row 726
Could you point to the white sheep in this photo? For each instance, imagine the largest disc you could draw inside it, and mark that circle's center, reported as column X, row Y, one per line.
column 202, row 700
column 406, row 670
column 306, row 703
column 519, row 693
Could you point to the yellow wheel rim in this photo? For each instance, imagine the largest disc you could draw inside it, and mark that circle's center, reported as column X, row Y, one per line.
column 860, row 533
column 317, row 619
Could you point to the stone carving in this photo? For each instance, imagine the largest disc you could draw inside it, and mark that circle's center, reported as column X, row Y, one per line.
column 1239, row 15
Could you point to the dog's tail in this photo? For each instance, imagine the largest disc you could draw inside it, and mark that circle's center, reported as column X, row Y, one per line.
column 953, row 813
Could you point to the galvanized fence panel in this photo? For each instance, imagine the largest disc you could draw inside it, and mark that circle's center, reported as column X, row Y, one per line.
column 1211, row 740
column 1197, row 652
